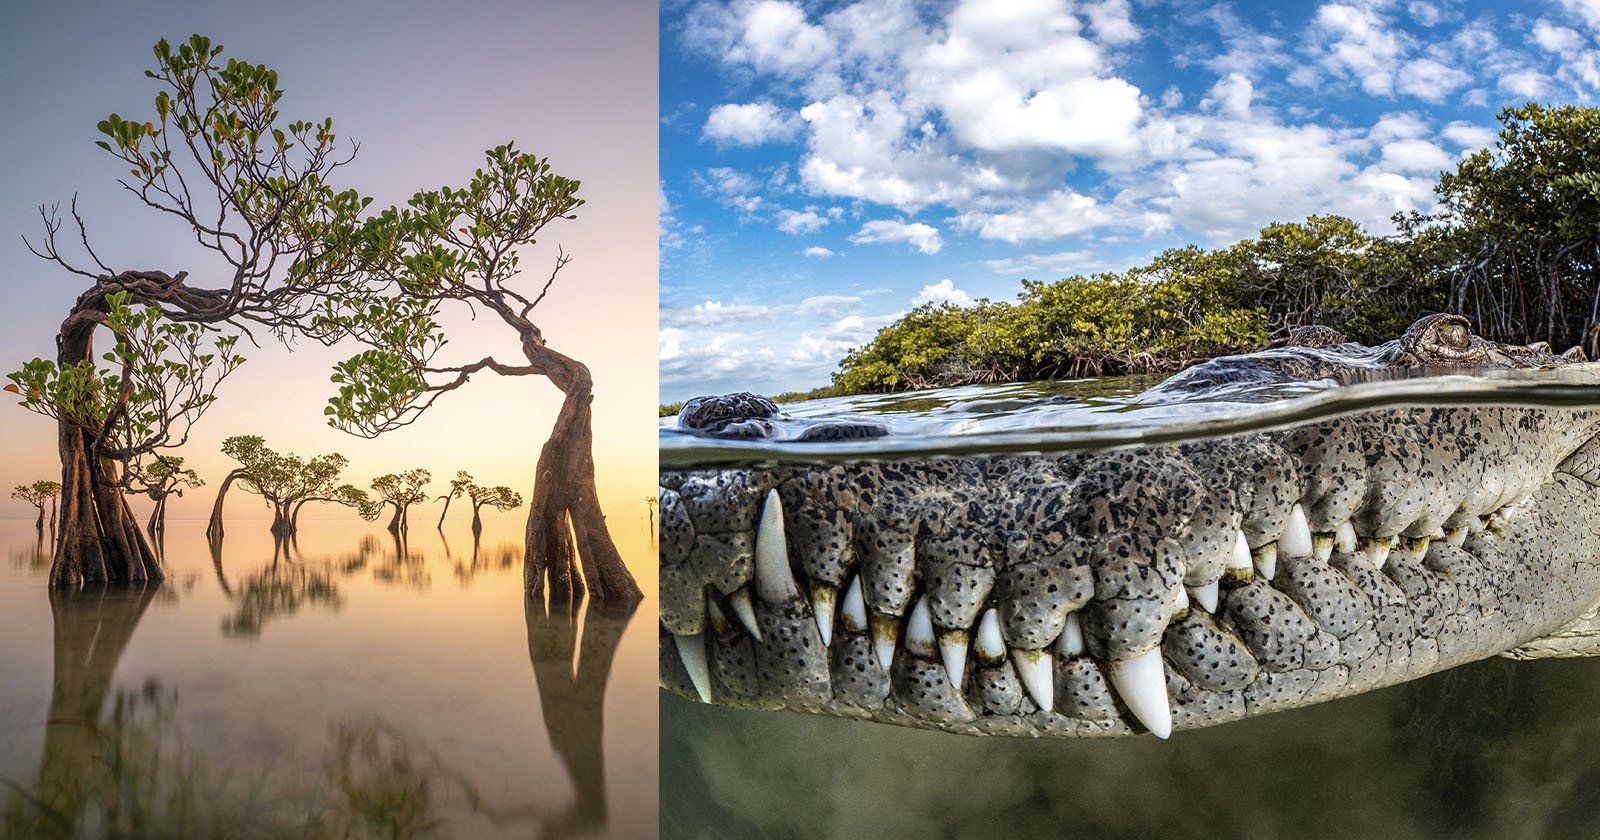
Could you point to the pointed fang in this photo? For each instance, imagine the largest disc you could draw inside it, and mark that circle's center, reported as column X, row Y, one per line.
column 1344, row 537
column 1267, row 560
column 1141, row 682
column 919, row 629
column 1378, row 551
column 1205, row 596
column 1322, row 546
column 774, row 580
column 953, row 650
column 885, row 630
column 692, row 652
column 1036, row 669
column 991, row 648
column 1239, row 566
column 1070, row 642
column 743, row 610
column 1296, row 539
column 854, row 610
column 823, row 597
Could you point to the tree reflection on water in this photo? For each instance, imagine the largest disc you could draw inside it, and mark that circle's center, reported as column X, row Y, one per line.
column 572, row 668
column 118, row 762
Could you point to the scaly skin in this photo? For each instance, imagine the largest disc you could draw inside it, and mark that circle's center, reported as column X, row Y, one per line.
column 1172, row 586
column 1472, row 531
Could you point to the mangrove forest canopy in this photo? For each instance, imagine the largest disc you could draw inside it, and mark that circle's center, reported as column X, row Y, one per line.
column 1513, row 243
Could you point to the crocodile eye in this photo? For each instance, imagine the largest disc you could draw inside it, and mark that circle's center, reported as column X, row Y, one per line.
column 1453, row 335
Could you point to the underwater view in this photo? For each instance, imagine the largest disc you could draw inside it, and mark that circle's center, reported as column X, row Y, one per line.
column 1347, row 611
column 345, row 684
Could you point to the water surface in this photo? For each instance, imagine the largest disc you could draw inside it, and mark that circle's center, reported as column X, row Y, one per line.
column 1493, row 749
column 343, row 686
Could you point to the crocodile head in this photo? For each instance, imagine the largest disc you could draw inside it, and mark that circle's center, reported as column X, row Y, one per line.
column 1434, row 344
column 1139, row 589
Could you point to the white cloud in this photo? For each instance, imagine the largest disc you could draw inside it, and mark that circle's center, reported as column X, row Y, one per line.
column 924, row 238
column 1467, row 136
column 769, row 36
column 1416, row 157
column 1062, row 263
column 1231, row 95
column 711, row 312
column 818, row 251
column 733, row 188
column 1426, row 13
column 1587, row 11
column 943, row 291
column 1019, row 76
column 802, row 221
column 1401, row 126
column 1112, row 22
column 1058, row 214
column 749, row 124
column 1560, row 40
column 1431, row 81
column 832, row 306
column 1354, row 41
column 1526, row 84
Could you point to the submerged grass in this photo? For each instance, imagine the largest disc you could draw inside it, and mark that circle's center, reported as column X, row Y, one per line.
column 134, row 775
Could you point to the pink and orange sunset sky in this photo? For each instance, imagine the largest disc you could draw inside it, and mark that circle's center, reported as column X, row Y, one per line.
column 424, row 89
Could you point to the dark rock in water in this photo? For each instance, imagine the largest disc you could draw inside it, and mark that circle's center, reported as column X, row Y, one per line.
column 741, row 415
column 747, row 415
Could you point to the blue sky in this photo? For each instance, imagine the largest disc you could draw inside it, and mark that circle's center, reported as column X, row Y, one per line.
column 827, row 166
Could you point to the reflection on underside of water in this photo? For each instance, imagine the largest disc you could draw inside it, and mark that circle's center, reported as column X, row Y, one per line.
column 1109, row 411
column 347, row 684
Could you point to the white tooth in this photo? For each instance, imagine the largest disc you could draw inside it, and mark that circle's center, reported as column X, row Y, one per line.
column 739, row 600
column 1344, row 538
column 1413, row 550
column 1378, row 551
column 919, row 629
column 1267, row 560
column 1035, row 668
column 774, row 580
column 719, row 619
column 854, row 611
column 692, row 652
column 1182, row 610
column 1205, row 596
column 1296, row 539
column 885, row 629
column 1141, row 682
column 1322, row 546
column 822, row 600
column 991, row 649
column 1070, row 642
column 1239, row 565
column 953, row 650
column 1457, row 538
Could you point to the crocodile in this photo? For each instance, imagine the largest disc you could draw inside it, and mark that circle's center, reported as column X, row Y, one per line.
column 1151, row 588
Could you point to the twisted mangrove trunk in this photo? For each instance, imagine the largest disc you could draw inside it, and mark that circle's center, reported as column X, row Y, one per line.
column 99, row 540
column 214, row 529
column 565, row 523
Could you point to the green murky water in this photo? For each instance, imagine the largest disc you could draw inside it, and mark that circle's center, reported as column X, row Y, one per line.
column 344, row 687
column 1493, row 749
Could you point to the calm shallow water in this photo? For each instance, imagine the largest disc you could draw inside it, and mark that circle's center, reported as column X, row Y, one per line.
column 1493, row 749
column 343, row 689
column 1111, row 411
